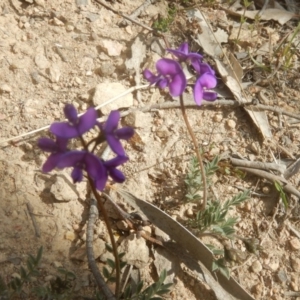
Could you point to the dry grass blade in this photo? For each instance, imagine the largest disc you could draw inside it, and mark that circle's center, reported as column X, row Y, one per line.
column 187, row 242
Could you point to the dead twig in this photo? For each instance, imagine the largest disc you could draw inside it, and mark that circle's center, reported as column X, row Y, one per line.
column 90, row 252
column 258, row 165
column 32, row 216
column 197, row 151
column 124, row 16
column 287, row 187
column 137, row 12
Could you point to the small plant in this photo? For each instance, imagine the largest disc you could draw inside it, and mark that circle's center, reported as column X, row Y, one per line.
column 213, row 219
column 283, row 196
column 288, row 50
column 16, row 286
column 109, row 274
column 163, row 24
column 194, row 181
column 60, row 288
column 151, row 292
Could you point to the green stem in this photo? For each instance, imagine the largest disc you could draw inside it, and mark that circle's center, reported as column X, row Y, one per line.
column 199, row 158
column 112, row 239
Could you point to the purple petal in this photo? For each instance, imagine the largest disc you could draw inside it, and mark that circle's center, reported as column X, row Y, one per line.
column 71, row 113
column 162, row 83
column 182, row 56
column 208, row 80
column 112, row 121
column 64, row 130
column 115, row 162
column 206, row 68
column 94, row 166
column 70, row 159
column 61, row 143
column 198, row 92
column 124, row 133
column 150, row 76
column 210, row 96
column 101, row 182
column 77, row 175
column 52, row 162
column 196, row 63
column 177, row 85
column 184, row 47
column 117, row 175
column 194, row 56
column 47, row 144
column 87, row 121
column 115, row 144
column 166, row 66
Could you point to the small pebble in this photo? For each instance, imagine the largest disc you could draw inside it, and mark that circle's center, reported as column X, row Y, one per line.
column 294, row 243
column 256, row 266
column 70, row 235
column 266, row 190
column 231, row 124
column 5, row 88
column 295, row 264
column 217, row 118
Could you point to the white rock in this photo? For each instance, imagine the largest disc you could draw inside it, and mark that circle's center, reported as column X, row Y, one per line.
column 5, row 88
column 294, row 243
column 107, row 90
column 57, row 22
column 70, row 236
column 256, row 266
column 138, row 119
column 41, row 61
column 54, row 72
column 230, row 124
column 217, row 118
column 62, row 191
column 295, row 263
column 112, row 48
column 137, row 251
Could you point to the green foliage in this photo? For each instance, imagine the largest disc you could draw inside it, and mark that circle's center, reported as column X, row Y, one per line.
column 109, row 274
column 60, row 288
column 287, row 50
column 213, row 218
column 152, row 292
column 16, row 285
column 194, row 181
column 220, row 265
column 283, row 196
column 163, row 24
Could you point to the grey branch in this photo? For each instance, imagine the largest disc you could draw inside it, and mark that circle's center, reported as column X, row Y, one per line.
column 90, row 252
column 258, row 165
column 287, row 187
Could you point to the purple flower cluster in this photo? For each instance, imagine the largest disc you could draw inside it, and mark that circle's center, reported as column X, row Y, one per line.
column 170, row 74
column 85, row 160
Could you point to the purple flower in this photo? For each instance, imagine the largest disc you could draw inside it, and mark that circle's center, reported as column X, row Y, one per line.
column 113, row 134
column 183, row 54
column 57, row 149
column 170, row 74
column 206, row 80
column 85, row 161
column 96, row 169
column 114, row 173
column 76, row 126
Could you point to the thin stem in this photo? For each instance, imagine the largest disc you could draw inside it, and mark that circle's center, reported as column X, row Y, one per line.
column 199, row 158
column 90, row 252
column 111, row 236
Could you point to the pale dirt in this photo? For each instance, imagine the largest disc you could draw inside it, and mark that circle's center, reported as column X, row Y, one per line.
column 36, row 81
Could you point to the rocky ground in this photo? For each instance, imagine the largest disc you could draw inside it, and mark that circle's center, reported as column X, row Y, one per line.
column 57, row 52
